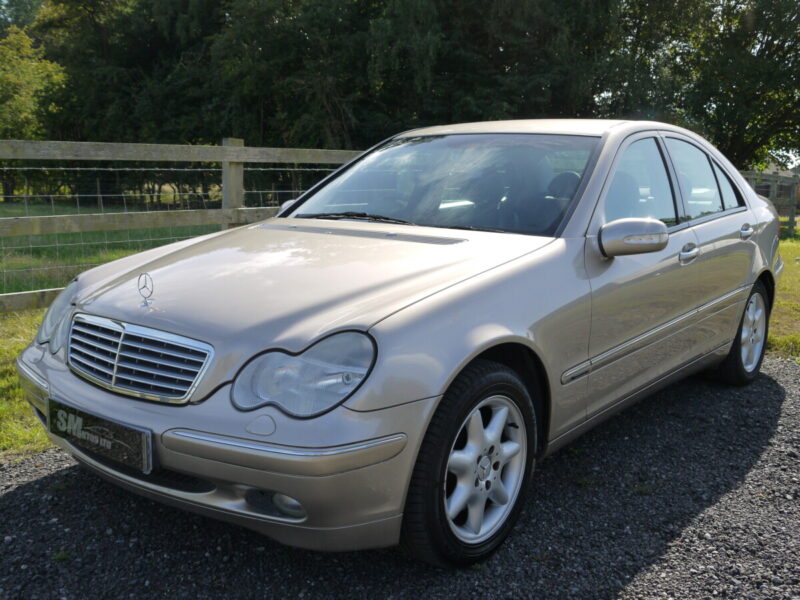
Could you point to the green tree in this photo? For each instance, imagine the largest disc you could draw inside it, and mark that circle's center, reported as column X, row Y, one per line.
column 346, row 73
column 138, row 69
column 741, row 79
column 25, row 78
column 295, row 73
column 17, row 12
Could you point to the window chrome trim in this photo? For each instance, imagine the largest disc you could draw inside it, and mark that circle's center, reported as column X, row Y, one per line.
column 714, row 216
column 157, row 334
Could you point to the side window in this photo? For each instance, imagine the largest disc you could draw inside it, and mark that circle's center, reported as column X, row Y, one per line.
column 697, row 181
column 730, row 197
column 640, row 186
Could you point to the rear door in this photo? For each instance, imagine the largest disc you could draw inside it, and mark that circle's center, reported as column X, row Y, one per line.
column 716, row 211
column 642, row 305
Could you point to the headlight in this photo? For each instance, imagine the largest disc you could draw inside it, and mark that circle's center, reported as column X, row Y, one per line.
column 310, row 383
column 52, row 329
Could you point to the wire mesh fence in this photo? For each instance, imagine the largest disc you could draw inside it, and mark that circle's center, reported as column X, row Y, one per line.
column 784, row 192
column 785, row 195
column 31, row 189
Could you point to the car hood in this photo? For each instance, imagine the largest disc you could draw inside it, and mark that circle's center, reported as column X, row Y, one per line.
column 284, row 283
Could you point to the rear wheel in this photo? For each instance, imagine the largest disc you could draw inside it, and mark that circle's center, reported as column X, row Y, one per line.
column 473, row 468
column 743, row 362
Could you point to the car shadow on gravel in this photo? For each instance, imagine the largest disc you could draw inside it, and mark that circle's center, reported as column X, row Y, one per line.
column 600, row 512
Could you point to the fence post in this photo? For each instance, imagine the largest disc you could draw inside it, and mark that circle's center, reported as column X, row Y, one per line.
column 99, row 194
column 232, row 179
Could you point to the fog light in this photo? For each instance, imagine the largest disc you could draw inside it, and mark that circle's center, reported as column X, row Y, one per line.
column 289, row 506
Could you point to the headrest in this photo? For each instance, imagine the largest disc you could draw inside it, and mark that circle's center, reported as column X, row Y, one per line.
column 564, row 185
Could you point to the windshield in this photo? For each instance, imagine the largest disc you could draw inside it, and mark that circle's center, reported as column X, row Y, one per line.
column 519, row 183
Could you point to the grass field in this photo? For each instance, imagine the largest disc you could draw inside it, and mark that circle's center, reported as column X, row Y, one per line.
column 784, row 335
column 21, row 433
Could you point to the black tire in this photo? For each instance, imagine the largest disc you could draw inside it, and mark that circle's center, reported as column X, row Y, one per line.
column 732, row 370
column 426, row 531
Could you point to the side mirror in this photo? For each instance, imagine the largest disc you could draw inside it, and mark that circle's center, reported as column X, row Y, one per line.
column 632, row 236
column 286, row 206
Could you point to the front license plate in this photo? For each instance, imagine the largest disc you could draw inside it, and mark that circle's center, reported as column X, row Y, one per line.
column 118, row 442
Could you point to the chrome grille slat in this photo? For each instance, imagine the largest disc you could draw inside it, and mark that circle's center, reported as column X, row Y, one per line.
column 95, row 355
column 160, row 350
column 132, row 367
column 90, row 343
column 149, row 382
column 93, row 332
column 157, row 361
column 136, row 361
column 94, row 366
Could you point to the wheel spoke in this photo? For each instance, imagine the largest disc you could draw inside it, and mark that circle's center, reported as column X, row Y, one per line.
column 751, row 310
column 458, row 500
column 745, row 330
column 494, row 431
column 460, row 462
column 508, row 450
column 751, row 353
column 475, row 511
column 475, row 432
column 498, row 493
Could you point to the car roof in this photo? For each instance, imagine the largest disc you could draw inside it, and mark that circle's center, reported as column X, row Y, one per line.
column 553, row 126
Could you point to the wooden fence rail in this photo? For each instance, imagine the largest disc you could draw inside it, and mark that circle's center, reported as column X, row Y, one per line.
column 233, row 217
column 232, row 150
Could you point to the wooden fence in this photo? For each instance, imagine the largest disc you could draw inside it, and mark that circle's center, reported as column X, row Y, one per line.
column 231, row 155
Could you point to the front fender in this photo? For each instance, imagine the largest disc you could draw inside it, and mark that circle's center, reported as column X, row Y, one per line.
column 537, row 301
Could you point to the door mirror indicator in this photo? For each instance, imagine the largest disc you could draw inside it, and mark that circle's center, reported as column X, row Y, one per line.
column 632, row 236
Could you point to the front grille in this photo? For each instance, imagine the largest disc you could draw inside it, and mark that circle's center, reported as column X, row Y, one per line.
column 135, row 360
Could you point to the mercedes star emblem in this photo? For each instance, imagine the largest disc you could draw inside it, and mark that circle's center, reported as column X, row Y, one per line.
column 145, row 284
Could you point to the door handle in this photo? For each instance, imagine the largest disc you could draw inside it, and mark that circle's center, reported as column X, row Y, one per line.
column 688, row 253
column 746, row 231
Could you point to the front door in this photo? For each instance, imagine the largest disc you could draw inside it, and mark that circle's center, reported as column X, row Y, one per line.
column 642, row 305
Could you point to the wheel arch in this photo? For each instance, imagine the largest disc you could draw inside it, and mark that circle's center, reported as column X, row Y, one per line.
column 768, row 280
column 524, row 361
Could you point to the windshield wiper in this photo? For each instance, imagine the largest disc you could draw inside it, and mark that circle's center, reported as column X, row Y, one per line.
column 472, row 228
column 354, row 215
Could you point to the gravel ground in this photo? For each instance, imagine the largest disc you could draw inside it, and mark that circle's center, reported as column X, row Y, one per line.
column 693, row 493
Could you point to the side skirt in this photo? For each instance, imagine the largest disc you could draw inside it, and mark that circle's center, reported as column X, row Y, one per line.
column 699, row 364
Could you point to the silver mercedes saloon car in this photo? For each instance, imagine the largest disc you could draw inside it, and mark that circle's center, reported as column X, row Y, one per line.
column 384, row 362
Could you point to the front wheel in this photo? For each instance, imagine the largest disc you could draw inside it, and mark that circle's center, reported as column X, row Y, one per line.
column 743, row 362
column 473, row 468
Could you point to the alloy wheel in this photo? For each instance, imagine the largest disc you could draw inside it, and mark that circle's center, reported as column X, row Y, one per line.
column 485, row 469
column 754, row 325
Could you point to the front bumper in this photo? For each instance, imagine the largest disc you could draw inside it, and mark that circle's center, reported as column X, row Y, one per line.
column 350, row 474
